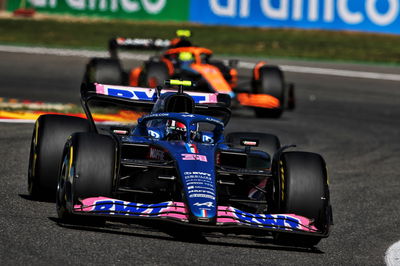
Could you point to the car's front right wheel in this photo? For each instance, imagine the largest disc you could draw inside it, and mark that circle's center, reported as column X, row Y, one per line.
column 88, row 169
column 301, row 187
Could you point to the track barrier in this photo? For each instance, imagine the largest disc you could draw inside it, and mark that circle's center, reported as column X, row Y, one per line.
column 381, row 16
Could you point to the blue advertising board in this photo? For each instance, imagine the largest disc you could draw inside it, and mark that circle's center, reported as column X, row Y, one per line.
column 381, row 16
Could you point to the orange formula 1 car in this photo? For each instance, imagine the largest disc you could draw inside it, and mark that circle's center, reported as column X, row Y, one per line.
column 266, row 92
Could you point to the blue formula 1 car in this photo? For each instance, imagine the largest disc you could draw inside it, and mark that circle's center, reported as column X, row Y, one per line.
column 176, row 165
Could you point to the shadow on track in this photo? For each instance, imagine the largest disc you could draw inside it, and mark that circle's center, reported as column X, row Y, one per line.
column 30, row 198
column 186, row 236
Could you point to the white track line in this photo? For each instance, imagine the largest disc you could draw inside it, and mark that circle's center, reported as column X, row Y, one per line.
column 332, row 72
column 392, row 256
column 67, row 52
column 18, row 121
column 342, row 73
column 248, row 65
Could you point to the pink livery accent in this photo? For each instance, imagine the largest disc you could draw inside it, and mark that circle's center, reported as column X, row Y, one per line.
column 148, row 94
column 194, row 157
column 88, row 204
column 231, row 215
column 99, row 88
column 226, row 215
column 110, row 206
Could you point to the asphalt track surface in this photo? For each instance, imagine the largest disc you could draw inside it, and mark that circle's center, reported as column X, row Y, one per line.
column 352, row 122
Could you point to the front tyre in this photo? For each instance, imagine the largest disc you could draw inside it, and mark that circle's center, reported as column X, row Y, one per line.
column 301, row 187
column 88, row 170
column 269, row 80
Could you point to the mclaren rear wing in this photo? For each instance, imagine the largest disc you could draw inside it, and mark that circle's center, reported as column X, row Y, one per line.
column 136, row 44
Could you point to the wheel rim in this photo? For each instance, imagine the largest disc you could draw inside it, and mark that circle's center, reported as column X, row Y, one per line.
column 61, row 203
column 32, row 163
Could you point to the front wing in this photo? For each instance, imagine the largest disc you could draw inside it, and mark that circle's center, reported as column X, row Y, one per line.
column 229, row 219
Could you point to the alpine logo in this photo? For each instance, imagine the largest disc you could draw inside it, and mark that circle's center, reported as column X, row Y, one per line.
column 207, row 139
column 207, row 204
column 154, row 134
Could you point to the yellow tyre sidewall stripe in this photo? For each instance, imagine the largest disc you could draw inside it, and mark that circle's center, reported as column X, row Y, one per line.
column 282, row 177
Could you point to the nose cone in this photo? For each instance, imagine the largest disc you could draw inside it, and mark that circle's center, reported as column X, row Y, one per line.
column 196, row 168
column 200, row 194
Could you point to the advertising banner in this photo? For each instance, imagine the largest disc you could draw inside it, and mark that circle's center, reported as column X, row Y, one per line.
column 359, row 15
column 176, row 10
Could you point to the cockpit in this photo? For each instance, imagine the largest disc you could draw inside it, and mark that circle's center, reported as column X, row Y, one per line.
column 181, row 127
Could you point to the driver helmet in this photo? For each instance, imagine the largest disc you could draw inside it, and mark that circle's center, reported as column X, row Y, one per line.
column 186, row 56
column 175, row 130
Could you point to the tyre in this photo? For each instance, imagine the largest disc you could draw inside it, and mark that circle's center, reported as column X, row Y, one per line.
column 271, row 82
column 48, row 139
column 301, row 187
column 88, row 169
column 104, row 71
column 155, row 73
column 224, row 69
column 268, row 143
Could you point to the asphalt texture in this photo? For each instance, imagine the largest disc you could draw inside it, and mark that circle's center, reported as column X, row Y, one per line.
column 354, row 123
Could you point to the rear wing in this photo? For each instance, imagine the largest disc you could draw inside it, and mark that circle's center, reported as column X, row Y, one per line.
column 136, row 44
column 150, row 94
column 211, row 104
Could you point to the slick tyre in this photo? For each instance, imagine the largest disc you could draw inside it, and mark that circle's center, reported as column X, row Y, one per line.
column 224, row 69
column 155, row 73
column 302, row 188
column 271, row 82
column 87, row 170
column 104, row 71
column 268, row 143
column 48, row 139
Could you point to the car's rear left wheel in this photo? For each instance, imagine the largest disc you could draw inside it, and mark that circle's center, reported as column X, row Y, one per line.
column 154, row 74
column 48, row 139
column 104, row 71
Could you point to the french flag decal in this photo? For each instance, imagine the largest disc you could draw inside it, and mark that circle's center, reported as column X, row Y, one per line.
column 190, row 147
column 204, row 213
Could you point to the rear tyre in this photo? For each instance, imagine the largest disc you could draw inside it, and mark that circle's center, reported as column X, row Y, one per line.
column 88, row 170
column 48, row 139
column 225, row 70
column 104, row 71
column 154, row 74
column 301, row 188
column 271, row 82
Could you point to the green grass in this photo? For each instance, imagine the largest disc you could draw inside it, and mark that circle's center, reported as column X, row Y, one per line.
column 257, row 42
